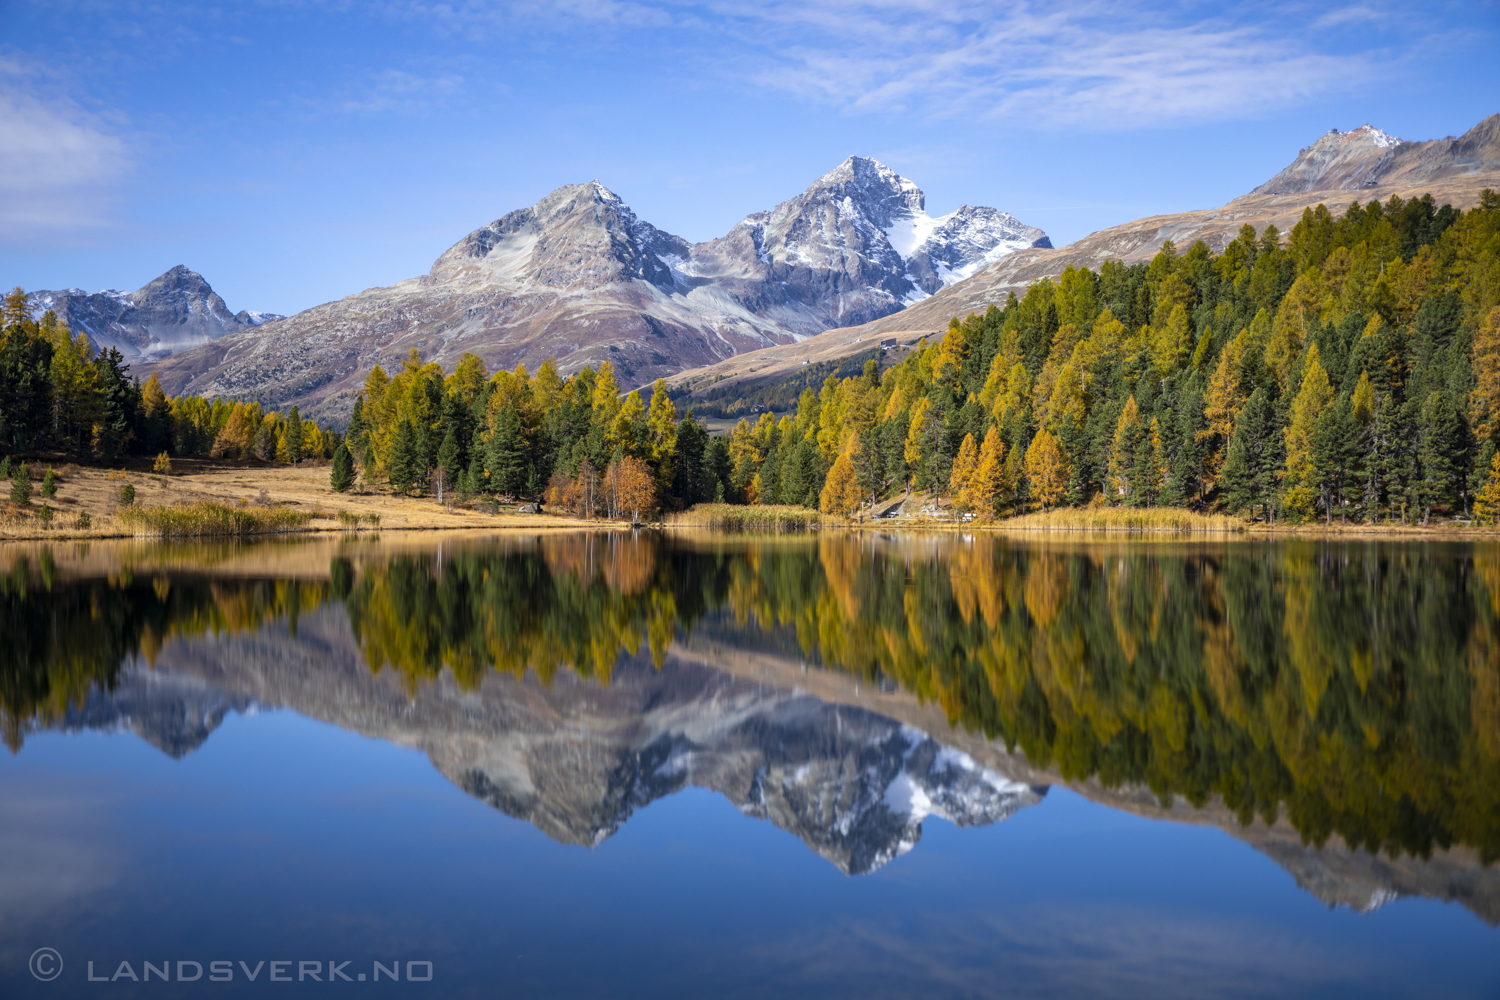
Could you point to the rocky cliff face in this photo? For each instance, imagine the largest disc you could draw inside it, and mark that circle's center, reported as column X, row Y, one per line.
column 580, row 278
column 172, row 313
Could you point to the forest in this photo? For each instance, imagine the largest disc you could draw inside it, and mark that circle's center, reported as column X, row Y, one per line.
column 57, row 395
column 1349, row 370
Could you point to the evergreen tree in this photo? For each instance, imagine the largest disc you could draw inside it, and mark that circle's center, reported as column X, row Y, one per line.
column 1250, row 465
column 342, row 476
column 506, row 459
column 1439, row 447
column 403, row 460
column 1130, row 442
column 688, row 479
column 293, row 437
column 20, row 487
column 449, row 461
column 121, row 402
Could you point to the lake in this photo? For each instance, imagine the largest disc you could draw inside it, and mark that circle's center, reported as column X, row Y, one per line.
column 844, row 765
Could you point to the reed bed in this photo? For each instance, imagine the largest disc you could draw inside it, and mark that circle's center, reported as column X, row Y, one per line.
column 1162, row 519
column 733, row 517
column 208, row 518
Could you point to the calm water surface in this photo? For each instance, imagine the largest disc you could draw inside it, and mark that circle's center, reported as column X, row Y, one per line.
column 597, row 765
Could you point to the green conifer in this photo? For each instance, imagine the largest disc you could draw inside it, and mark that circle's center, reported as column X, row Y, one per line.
column 342, row 476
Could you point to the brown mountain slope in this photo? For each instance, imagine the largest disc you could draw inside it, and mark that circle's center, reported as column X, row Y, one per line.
column 1363, row 165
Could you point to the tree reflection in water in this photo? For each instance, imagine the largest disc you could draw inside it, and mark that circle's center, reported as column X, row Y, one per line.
column 1354, row 687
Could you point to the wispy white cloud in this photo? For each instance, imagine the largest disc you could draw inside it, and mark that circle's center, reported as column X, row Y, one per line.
column 1104, row 64
column 395, row 91
column 1092, row 64
column 60, row 165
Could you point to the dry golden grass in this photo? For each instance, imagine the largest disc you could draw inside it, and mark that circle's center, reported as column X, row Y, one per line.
column 735, row 517
column 207, row 518
column 303, row 489
column 1154, row 519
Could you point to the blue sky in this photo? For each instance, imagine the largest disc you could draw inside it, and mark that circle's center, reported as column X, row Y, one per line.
column 295, row 151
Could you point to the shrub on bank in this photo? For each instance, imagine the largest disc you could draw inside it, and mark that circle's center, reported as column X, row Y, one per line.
column 209, row 518
column 736, row 517
column 1173, row 519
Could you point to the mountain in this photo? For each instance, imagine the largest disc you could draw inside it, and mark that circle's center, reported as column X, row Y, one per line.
column 858, row 244
column 1363, row 164
column 171, row 313
column 580, row 278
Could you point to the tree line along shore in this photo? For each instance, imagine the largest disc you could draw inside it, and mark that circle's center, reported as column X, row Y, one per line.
column 1349, row 372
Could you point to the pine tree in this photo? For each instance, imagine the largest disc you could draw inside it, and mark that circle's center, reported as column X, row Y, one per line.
column 1149, row 468
column 692, row 440
column 403, row 461
column 1439, row 453
column 20, row 487
column 1335, row 452
column 506, row 458
column 449, row 462
column 293, row 436
column 1250, row 465
column 49, row 484
column 121, row 404
column 342, row 476
column 1395, row 454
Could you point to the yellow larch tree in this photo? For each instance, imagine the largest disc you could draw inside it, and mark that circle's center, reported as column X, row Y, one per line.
column 1484, row 399
column 964, row 464
column 1047, row 469
column 1315, row 396
column 986, row 487
column 841, row 493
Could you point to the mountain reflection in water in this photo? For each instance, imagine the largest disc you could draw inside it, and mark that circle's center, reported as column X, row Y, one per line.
column 1335, row 704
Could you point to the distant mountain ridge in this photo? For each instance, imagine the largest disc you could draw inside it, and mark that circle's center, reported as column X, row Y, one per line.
column 579, row 277
column 1363, row 164
column 173, row 312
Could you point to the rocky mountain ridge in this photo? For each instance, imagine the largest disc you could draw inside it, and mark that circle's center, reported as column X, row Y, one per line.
column 1363, row 164
column 579, row 277
column 173, row 312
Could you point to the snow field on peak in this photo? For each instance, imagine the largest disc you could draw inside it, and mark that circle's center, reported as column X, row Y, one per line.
column 907, row 235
